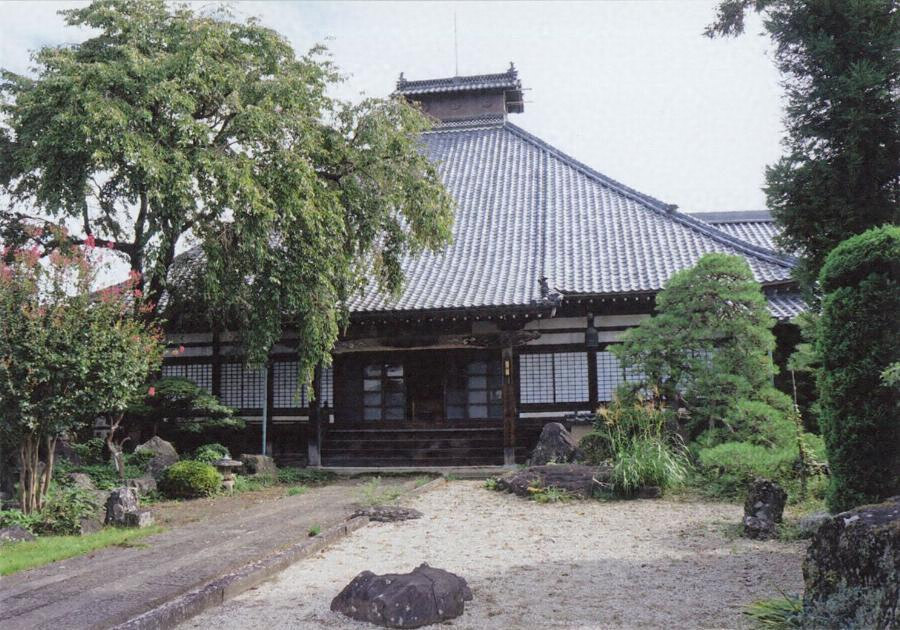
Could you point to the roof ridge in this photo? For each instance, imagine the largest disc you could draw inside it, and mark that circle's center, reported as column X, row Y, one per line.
column 668, row 210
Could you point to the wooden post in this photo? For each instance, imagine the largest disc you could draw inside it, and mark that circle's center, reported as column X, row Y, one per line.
column 508, row 366
column 314, row 428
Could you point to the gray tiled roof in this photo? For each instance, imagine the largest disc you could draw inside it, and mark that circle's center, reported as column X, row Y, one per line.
column 508, row 80
column 754, row 226
column 525, row 210
column 786, row 305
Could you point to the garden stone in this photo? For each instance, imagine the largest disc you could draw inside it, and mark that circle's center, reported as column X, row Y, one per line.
column 577, row 479
column 91, row 524
column 142, row 485
column 140, row 518
column 82, row 481
column 259, row 465
column 164, row 455
column 388, row 513
column 759, row 528
column 852, row 567
column 404, row 600
column 765, row 500
column 556, row 445
column 121, row 501
column 15, row 533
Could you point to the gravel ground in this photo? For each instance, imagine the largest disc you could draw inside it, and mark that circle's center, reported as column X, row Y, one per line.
column 629, row 564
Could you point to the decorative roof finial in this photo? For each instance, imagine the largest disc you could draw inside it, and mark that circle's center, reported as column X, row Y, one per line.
column 401, row 80
column 512, row 67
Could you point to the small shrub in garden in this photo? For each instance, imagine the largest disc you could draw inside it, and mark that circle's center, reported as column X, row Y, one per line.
column 12, row 518
column 777, row 613
column 189, row 480
column 291, row 475
column 90, row 451
column 211, row 452
column 63, row 511
column 641, row 462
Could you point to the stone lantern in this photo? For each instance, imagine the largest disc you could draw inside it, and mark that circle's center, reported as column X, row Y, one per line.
column 227, row 467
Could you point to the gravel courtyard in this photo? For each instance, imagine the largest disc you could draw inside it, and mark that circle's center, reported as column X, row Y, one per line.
column 628, row 564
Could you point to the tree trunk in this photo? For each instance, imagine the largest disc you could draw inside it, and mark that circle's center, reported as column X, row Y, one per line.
column 29, row 460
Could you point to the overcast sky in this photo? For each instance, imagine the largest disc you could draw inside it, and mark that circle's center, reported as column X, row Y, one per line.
column 631, row 88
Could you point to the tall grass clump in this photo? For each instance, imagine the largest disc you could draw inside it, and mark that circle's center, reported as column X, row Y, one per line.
column 631, row 434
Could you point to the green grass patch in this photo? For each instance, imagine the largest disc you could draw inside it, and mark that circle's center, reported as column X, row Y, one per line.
column 296, row 490
column 374, row 492
column 19, row 556
column 778, row 613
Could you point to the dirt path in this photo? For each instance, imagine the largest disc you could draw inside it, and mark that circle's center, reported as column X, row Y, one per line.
column 115, row 584
column 636, row 564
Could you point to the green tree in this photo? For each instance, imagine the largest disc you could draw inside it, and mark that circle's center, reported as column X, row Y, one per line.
column 66, row 356
column 708, row 346
column 169, row 126
column 857, row 342
column 180, row 404
column 840, row 64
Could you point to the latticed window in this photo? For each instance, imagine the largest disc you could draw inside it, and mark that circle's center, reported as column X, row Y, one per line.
column 286, row 388
column 198, row 373
column 611, row 374
column 384, row 392
column 242, row 387
column 327, row 387
column 557, row 377
column 475, row 391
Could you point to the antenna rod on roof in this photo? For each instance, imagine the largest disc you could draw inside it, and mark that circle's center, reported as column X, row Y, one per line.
column 455, row 48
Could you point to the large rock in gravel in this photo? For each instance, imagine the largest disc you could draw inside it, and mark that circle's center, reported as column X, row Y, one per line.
column 120, row 503
column 852, row 568
column 404, row 600
column 765, row 500
column 164, row 455
column 555, row 446
column 259, row 465
column 578, row 479
column 388, row 513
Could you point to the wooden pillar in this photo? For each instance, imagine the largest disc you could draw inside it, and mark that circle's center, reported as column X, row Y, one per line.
column 314, row 427
column 508, row 366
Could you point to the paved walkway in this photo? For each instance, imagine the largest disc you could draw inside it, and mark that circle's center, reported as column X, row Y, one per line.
column 115, row 584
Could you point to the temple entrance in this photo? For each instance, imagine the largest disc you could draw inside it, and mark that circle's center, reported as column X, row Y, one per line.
column 424, row 388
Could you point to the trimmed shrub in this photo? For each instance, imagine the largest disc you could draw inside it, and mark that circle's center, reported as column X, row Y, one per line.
column 209, row 453
column 189, row 479
column 857, row 342
column 63, row 511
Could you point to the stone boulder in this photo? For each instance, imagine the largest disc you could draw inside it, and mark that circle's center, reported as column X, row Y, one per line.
column 259, row 465
column 120, row 503
column 556, row 445
column 763, row 508
column 852, row 568
column 139, row 518
column 81, row 481
column 404, row 600
column 808, row 525
column 578, row 479
column 15, row 533
column 142, row 485
column 388, row 513
column 164, row 455
column 765, row 500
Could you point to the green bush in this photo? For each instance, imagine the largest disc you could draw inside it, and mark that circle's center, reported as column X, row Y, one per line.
column 90, row 451
column 209, row 453
column 857, row 342
column 729, row 468
column 63, row 511
column 190, row 479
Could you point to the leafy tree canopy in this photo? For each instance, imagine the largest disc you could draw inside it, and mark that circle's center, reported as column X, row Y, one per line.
column 841, row 73
column 66, row 356
column 709, row 344
column 170, row 125
column 179, row 401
